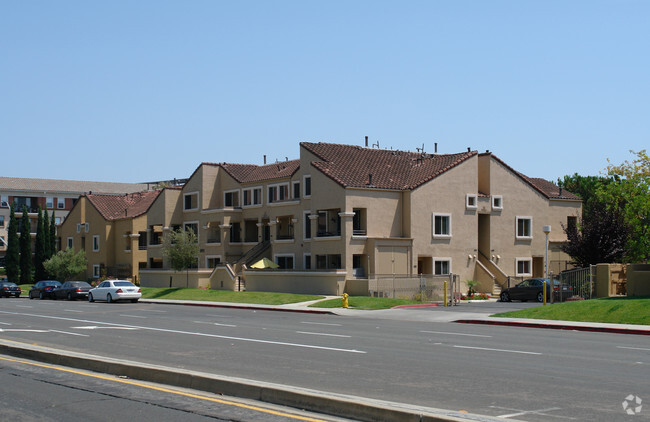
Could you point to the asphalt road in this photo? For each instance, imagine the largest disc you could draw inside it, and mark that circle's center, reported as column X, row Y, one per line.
column 514, row 373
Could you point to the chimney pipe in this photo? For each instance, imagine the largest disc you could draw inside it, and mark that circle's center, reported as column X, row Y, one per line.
column 435, row 148
column 469, row 149
column 366, row 142
column 264, row 159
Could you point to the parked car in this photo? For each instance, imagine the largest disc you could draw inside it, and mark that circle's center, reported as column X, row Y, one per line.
column 8, row 289
column 43, row 289
column 531, row 289
column 72, row 290
column 114, row 290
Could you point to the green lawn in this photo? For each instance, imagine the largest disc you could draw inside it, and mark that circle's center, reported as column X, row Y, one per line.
column 258, row 298
column 364, row 302
column 612, row 310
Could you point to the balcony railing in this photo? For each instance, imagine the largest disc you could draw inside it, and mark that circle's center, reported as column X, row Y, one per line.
column 359, row 232
column 328, row 234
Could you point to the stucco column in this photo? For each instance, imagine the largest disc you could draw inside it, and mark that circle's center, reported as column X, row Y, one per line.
column 225, row 233
column 346, row 236
column 313, row 221
column 272, row 230
column 135, row 237
column 260, row 231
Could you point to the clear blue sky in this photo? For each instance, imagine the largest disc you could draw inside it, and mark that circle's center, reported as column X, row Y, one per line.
column 144, row 90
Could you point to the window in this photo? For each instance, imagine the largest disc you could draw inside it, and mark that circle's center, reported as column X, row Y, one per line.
column 231, row 199
column 192, row 226
column 524, row 227
column 4, row 201
column 471, row 201
column 142, row 241
column 60, row 203
column 306, row 234
column 296, row 190
column 328, row 262
column 69, row 243
column 96, row 271
column 307, row 191
column 329, row 223
column 49, row 202
column 278, row 193
column 571, row 223
column 211, row 261
column 497, row 202
column 306, row 259
column 191, row 201
column 3, row 242
column 78, row 228
column 441, row 225
column 252, row 196
column 2, row 220
column 359, row 222
column 524, row 266
column 442, row 266
column 87, row 227
column 284, row 261
column 235, row 232
column 96, row 243
column 57, row 221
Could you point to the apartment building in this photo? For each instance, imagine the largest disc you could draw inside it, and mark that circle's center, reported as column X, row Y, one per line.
column 55, row 196
column 358, row 213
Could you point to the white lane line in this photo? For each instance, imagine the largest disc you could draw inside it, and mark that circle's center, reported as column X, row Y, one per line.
column 632, row 348
column 23, row 306
column 154, row 310
column 497, row 350
column 214, row 323
column 72, row 310
column 321, row 323
column 134, row 316
column 72, row 334
column 455, row 334
column 251, row 340
column 540, row 412
column 5, row 323
column 12, row 330
column 94, row 327
column 322, row 334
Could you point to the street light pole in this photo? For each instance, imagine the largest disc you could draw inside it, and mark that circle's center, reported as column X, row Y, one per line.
column 547, row 231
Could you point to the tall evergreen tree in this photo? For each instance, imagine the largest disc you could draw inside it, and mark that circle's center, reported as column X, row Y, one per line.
column 39, row 248
column 12, row 257
column 46, row 232
column 25, row 249
column 53, row 235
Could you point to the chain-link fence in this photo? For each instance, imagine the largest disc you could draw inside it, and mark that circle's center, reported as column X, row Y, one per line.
column 423, row 288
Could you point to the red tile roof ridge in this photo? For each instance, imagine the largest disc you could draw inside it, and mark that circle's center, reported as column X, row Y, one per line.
column 116, row 207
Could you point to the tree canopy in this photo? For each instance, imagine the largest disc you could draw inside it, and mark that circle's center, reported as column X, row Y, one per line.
column 65, row 264
column 181, row 247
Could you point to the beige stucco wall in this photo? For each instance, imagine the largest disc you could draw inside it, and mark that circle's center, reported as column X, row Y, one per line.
column 193, row 279
column 322, row 283
column 638, row 280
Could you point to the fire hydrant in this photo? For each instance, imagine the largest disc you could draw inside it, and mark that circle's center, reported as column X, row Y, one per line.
column 345, row 300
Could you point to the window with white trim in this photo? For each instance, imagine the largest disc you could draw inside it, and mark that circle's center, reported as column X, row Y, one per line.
column 2, row 220
column 296, row 190
column 524, row 266
column 211, row 261
column 284, row 261
column 191, row 201
column 78, row 227
column 231, row 198
column 307, row 182
column 4, row 201
column 306, row 261
column 96, row 243
column 442, row 266
column 471, row 201
column 87, row 227
column 49, row 202
column 524, row 228
column 252, row 196
column 60, row 203
column 96, row 271
column 497, row 202
column 278, row 193
column 441, row 225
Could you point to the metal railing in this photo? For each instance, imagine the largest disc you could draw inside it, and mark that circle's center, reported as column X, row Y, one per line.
column 580, row 281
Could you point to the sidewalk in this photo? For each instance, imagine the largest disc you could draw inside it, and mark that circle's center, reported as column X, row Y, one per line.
column 469, row 313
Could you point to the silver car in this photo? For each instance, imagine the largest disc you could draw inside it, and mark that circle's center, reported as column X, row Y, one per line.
column 114, row 290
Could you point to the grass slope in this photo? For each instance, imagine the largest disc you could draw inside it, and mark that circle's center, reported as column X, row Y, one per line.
column 363, row 302
column 612, row 310
column 258, row 298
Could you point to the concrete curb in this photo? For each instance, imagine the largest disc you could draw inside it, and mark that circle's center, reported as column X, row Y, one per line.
column 558, row 326
column 352, row 407
column 238, row 306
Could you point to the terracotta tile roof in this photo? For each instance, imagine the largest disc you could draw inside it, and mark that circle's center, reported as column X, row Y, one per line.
column 546, row 188
column 351, row 166
column 68, row 186
column 247, row 173
column 116, row 207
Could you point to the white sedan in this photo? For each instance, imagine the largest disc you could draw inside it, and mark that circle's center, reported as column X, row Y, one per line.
column 114, row 290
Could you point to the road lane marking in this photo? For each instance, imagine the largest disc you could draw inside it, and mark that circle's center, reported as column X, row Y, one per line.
column 455, row 334
column 134, row 316
column 12, row 330
column 168, row 390
column 323, row 334
column 540, row 412
column 321, row 323
column 497, row 350
column 72, row 310
column 163, row 330
column 632, row 348
column 95, row 327
column 23, row 306
column 5, row 323
column 154, row 310
column 214, row 323
column 72, row 334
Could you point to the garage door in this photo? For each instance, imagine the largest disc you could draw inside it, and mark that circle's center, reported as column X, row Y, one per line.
column 392, row 260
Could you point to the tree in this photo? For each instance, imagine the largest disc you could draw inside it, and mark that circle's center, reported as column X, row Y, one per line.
column 53, row 235
column 39, row 248
column 629, row 192
column 12, row 256
column 599, row 237
column 26, row 265
column 46, row 233
column 181, row 247
column 65, row 264
column 586, row 187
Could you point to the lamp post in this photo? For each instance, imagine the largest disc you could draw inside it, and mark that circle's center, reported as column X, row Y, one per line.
column 547, row 230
